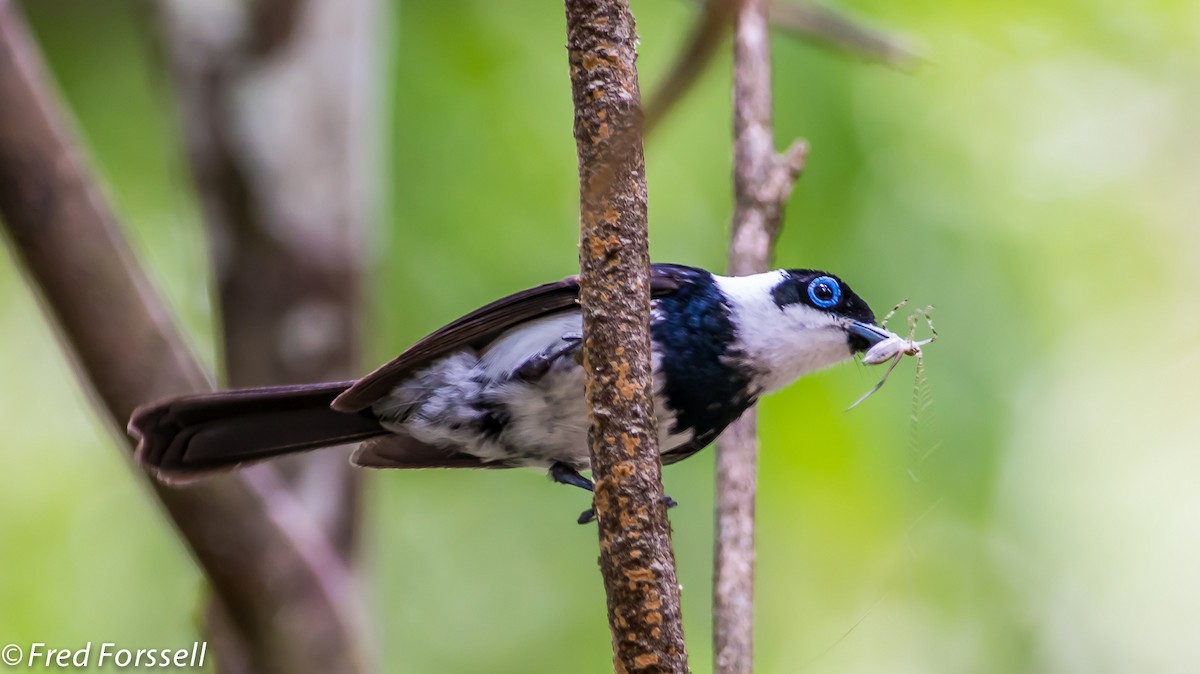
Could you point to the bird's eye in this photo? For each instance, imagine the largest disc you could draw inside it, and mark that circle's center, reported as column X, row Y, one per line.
column 824, row 292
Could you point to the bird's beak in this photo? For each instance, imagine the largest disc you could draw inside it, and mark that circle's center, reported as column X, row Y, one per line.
column 865, row 335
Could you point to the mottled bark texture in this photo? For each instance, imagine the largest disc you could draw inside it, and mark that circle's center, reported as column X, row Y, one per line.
column 635, row 539
column 274, row 100
column 763, row 182
column 279, row 581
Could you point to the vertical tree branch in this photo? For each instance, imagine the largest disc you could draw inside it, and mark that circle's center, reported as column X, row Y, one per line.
column 762, row 183
column 635, row 541
column 276, row 576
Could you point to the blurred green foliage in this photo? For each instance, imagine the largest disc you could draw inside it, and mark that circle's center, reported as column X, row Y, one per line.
column 1036, row 180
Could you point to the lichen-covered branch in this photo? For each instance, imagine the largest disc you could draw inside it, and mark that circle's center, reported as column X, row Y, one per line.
column 279, row 581
column 762, row 184
column 635, row 539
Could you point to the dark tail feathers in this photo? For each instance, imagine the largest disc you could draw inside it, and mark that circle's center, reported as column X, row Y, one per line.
column 190, row 436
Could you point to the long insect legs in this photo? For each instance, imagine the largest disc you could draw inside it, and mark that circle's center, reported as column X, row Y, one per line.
column 884, row 322
column 895, row 348
column 868, row 394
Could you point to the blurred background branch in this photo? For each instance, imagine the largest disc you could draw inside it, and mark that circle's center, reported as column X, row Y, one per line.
column 806, row 21
column 275, row 101
column 279, row 580
column 706, row 36
column 839, row 30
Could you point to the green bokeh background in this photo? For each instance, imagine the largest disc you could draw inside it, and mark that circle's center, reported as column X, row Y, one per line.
column 1037, row 180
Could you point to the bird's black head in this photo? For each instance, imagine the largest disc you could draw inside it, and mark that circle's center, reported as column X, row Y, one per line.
column 824, row 292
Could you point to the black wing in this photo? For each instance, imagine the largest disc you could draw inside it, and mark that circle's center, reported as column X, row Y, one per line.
column 480, row 327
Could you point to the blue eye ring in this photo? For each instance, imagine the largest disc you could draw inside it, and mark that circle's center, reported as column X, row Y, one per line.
column 829, row 288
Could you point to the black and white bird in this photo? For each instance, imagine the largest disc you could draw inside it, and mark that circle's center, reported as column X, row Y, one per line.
column 503, row 387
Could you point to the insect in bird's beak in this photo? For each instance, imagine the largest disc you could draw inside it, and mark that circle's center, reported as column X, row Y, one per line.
column 888, row 346
column 892, row 347
column 873, row 334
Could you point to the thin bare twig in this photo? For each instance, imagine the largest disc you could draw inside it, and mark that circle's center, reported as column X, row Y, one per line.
column 636, row 560
column 278, row 579
column 762, row 183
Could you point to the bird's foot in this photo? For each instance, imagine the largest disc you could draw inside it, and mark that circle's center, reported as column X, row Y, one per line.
column 564, row 474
